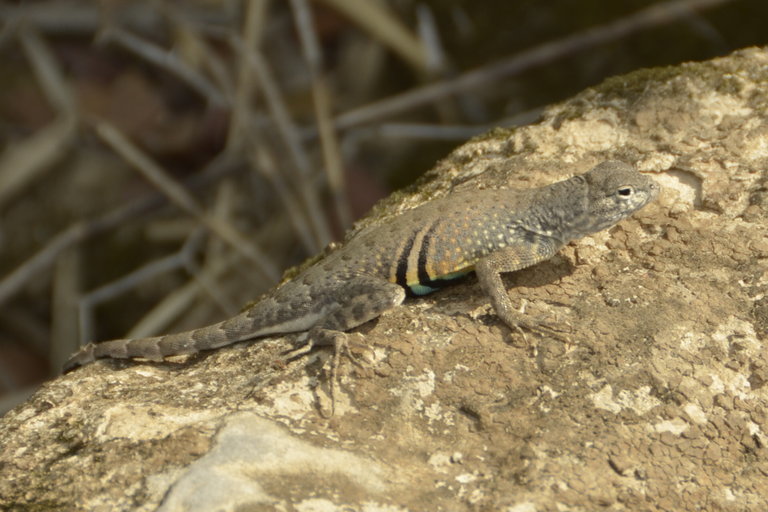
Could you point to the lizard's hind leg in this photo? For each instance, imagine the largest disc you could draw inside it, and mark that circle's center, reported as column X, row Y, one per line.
column 354, row 302
column 360, row 299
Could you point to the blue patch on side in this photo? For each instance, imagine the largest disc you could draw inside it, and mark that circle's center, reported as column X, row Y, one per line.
column 420, row 289
column 436, row 284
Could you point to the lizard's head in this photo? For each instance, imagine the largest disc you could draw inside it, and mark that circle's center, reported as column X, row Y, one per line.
column 615, row 190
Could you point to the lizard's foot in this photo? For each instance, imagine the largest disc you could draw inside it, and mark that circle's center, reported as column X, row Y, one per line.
column 518, row 321
column 545, row 328
column 340, row 342
column 324, row 337
column 306, row 348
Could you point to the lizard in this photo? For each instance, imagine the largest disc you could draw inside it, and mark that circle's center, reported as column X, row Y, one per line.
column 490, row 231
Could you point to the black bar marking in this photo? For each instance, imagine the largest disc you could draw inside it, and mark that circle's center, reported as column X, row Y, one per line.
column 421, row 269
column 402, row 262
column 426, row 283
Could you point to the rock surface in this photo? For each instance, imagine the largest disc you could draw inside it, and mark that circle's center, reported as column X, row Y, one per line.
column 658, row 403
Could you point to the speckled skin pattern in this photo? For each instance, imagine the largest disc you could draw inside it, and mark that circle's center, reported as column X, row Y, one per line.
column 488, row 231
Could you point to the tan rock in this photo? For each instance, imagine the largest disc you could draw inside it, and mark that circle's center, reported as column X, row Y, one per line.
column 656, row 404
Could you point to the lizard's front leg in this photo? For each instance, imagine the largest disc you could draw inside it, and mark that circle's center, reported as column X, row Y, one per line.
column 510, row 259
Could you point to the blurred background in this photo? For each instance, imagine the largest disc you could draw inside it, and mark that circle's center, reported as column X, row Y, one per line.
column 161, row 163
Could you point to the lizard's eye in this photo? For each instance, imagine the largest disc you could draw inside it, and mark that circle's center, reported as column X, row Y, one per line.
column 625, row 191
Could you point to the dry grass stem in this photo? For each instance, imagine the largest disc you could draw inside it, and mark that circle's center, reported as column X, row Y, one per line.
column 263, row 162
column 74, row 234
column 242, row 109
column 151, row 270
column 25, row 161
column 66, row 293
column 164, row 59
column 321, row 97
column 657, row 14
column 290, row 136
column 181, row 198
column 48, row 72
column 78, row 232
column 375, row 18
column 179, row 301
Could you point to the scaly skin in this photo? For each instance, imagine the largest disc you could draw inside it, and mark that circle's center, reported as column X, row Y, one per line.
column 489, row 231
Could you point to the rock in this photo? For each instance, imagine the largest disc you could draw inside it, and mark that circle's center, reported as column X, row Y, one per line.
column 658, row 403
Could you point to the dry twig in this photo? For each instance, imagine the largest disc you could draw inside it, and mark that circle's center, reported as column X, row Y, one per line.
column 164, row 59
column 179, row 196
column 322, row 103
column 657, row 14
column 180, row 259
column 287, row 130
column 24, row 161
column 78, row 232
column 376, row 19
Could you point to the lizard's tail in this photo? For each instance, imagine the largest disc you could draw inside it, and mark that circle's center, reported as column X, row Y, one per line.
column 233, row 330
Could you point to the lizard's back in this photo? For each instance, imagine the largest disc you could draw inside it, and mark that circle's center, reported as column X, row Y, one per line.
column 416, row 250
